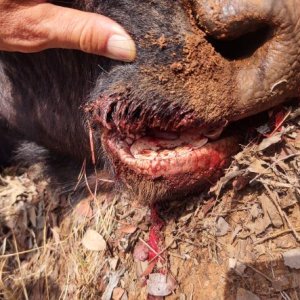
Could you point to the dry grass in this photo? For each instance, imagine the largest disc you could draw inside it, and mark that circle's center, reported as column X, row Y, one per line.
column 248, row 220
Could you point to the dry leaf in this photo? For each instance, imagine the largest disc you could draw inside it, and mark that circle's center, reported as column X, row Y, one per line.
column 257, row 167
column 260, row 224
column 117, row 293
column 240, row 182
column 224, row 180
column 208, row 206
column 269, row 141
column 288, row 200
column 84, row 209
column 113, row 262
column 93, row 241
column 270, row 209
column 255, row 211
column 236, row 231
column 141, row 267
column 128, row 228
column 185, row 218
column 292, row 258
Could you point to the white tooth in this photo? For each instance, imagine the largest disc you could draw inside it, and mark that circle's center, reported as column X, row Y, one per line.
column 149, row 155
column 182, row 151
column 143, row 144
column 166, row 154
column 214, row 134
column 199, row 143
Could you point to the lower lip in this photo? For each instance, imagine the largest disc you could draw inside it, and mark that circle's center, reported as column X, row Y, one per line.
column 203, row 161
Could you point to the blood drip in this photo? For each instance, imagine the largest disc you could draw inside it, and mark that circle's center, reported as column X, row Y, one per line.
column 155, row 235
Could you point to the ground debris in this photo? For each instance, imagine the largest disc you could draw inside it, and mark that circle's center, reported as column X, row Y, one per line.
column 114, row 279
column 239, row 241
column 160, row 284
column 93, row 241
column 222, row 227
column 270, row 209
column 243, row 294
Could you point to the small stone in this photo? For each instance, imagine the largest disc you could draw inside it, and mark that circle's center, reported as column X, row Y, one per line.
column 222, row 227
column 160, row 284
column 292, row 258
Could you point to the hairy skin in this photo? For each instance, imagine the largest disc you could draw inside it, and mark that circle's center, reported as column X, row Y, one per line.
column 181, row 80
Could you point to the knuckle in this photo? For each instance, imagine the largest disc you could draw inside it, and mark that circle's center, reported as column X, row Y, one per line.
column 89, row 39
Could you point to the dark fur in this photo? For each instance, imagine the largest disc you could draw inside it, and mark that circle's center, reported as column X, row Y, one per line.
column 42, row 95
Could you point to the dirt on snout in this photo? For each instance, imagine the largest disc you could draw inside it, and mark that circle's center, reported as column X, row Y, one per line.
column 240, row 240
column 199, row 75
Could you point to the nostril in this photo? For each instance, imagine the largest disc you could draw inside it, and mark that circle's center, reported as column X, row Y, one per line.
column 244, row 45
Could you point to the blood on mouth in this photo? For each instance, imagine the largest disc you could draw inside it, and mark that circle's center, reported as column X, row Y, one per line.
column 161, row 154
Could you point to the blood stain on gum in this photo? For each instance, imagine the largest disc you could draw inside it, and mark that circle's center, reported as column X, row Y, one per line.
column 168, row 154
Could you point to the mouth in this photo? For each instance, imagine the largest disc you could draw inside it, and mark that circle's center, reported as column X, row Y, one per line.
column 167, row 155
column 167, row 150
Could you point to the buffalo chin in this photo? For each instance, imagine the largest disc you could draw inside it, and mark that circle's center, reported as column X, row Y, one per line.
column 158, row 178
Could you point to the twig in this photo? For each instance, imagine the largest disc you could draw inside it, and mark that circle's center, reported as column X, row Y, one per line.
column 148, row 246
column 281, row 212
column 256, row 270
column 92, row 144
column 161, row 252
column 274, row 163
column 95, row 199
column 275, row 235
column 281, row 122
column 31, row 250
column 278, row 184
column 65, row 291
column 177, row 255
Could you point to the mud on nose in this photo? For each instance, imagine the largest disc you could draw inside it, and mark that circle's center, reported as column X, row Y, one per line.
column 236, row 28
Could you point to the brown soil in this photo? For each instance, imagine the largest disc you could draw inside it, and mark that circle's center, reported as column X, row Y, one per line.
column 200, row 75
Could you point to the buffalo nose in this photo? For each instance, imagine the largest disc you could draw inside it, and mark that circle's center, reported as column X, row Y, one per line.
column 236, row 28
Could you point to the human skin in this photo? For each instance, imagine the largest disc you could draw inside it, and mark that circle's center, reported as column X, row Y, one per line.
column 33, row 25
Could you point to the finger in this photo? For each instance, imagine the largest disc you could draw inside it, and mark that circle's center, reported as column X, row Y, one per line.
column 88, row 32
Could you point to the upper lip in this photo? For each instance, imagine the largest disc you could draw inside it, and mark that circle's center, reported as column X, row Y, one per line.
column 132, row 117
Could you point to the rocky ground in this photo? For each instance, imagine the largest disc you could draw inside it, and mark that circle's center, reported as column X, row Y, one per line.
column 240, row 240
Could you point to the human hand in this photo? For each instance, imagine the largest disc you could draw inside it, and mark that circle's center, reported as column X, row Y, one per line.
column 34, row 25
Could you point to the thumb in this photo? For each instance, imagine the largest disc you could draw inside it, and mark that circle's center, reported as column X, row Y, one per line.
column 88, row 32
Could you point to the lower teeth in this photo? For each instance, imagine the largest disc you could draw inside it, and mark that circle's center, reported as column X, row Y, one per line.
column 149, row 148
